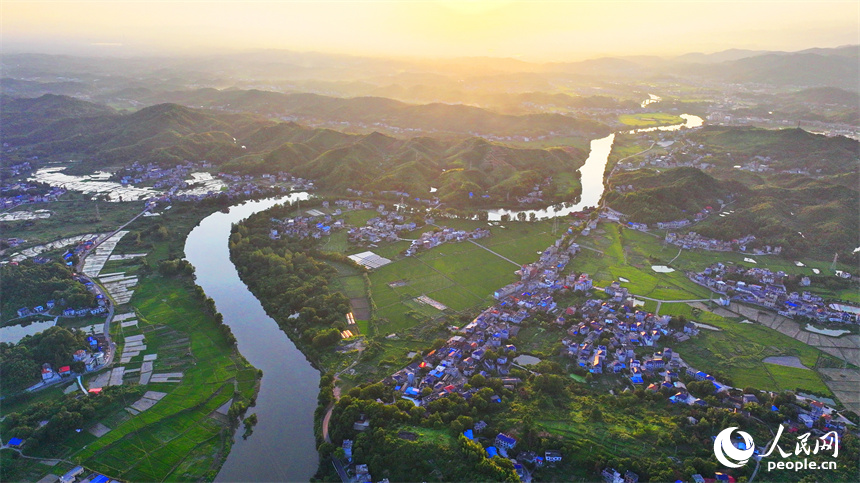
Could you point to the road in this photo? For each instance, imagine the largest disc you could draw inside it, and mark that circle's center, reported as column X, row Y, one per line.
column 661, row 302
column 496, row 254
column 109, row 354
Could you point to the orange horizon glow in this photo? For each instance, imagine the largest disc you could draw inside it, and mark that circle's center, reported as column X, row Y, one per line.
column 538, row 31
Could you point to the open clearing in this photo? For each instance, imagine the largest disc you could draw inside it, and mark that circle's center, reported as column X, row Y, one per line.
column 458, row 276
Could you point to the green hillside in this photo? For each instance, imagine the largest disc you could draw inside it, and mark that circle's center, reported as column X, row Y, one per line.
column 786, row 148
column 429, row 118
column 168, row 134
column 668, row 195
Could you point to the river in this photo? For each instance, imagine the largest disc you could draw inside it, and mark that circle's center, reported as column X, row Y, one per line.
column 14, row 333
column 282, row 447
column 591, row 174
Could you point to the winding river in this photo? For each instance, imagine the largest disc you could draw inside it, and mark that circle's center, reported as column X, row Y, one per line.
column 282, row 447
column 591, row 174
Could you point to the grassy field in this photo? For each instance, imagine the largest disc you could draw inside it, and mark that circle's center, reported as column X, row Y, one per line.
column 458, row 275
column 629, row 254
column 648, row 119
column 70, row 216
column 738, row 350
column 179, row 438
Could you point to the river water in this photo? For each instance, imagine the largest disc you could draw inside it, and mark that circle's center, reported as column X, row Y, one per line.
column 282, row 447
column 591, row 174
column 14, row 333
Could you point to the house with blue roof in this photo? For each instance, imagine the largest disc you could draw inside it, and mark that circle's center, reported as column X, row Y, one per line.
column 505, row 441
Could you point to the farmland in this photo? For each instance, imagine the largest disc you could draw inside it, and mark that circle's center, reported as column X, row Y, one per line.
column 181, row 437
column 458, row 275
column 738, row 350
column 650, row 119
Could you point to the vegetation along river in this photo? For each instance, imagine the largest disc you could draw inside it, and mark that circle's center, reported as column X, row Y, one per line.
column 591, row 174
column 282, row 447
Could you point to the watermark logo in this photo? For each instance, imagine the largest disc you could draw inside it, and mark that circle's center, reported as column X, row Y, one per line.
column 730, row 455
column 736, row 455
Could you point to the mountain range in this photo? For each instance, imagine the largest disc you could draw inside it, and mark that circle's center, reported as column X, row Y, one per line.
column 59, row 127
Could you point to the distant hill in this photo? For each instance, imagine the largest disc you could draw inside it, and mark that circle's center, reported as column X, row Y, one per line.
column 383, row 113
column 801, row 214
column 20, row 116
column 722, row 56
column 668, row 195
column 786, row 149
column 822, row 67
column 826, row 95
column 169, row 133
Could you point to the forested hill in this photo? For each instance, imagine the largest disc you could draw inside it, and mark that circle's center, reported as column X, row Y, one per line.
column 780, row 149
column 647, row 196
column 801, row 214
column 367, row 112
column 168, row 134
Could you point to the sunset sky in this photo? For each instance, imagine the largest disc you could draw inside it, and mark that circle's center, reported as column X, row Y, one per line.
column 559, row 30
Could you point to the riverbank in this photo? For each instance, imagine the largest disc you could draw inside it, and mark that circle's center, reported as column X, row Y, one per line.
column 181, row 435
column 282, row 446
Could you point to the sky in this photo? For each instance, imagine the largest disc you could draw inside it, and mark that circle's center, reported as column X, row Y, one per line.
column 536, row 30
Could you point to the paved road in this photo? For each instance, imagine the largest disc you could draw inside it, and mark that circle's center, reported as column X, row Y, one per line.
column 111, row 350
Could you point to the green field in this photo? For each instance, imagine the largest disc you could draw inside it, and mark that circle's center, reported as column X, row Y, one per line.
column 70, row 216
column 178, row 438
column 649, row 119
column 458, row 275
column 630, row 254
column 738, row 351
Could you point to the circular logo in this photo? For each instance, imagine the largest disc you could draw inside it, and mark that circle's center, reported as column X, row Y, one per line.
column 728, row 454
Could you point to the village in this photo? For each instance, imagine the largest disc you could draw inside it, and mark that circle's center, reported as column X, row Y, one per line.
column 765, row 288
column 176, row 186
column 606, row 337
column 16, row 194
column 692, row 240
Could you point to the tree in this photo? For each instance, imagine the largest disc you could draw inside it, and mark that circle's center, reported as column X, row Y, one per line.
column 478, row 380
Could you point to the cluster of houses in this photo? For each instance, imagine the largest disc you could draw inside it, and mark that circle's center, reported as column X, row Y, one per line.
column 504, row 445
column 383, row 228
column 174, row 182
column 315, row 225
column 101, row 308
column 164, row 177
column 539, row 279
column 763, row 287
column 19, row 168
column 431, row 239
column 93, row 357
column 15, row 194
column 679, row 153
column 350, row 204
column 13, row 242
column 692, row 240
column 67, row 312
